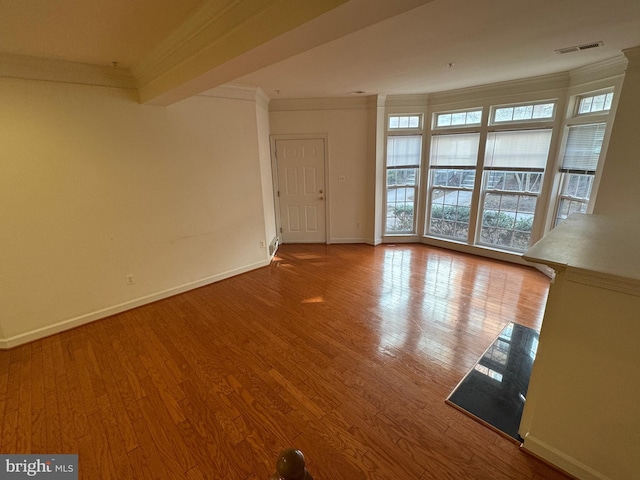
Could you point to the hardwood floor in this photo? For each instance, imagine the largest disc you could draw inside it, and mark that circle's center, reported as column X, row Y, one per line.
column 344, row 351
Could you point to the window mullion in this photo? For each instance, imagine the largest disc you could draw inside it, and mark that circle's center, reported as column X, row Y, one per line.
column 477, row 199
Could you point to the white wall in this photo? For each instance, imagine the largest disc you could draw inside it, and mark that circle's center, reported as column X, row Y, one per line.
column 94, row 186
column 345, row 122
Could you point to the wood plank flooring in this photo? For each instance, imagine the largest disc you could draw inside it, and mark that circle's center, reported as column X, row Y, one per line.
column 344, row 351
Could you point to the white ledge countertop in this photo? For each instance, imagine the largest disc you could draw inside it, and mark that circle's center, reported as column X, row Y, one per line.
column 597, row 244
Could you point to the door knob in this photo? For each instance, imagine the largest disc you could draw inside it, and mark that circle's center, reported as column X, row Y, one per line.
column 321, row 198
column 320, row 191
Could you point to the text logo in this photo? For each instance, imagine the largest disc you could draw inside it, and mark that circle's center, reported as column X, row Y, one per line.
column 45, row 467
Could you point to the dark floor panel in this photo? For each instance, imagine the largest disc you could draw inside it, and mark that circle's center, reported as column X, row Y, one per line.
column 494, row 391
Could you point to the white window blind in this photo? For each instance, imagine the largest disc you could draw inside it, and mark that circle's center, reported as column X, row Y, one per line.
column 583, row 148
column 459, row 150
column 403, row 151
column 517, row 150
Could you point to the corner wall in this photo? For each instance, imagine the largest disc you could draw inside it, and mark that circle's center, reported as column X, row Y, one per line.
column 618, row 193
column 95, row 187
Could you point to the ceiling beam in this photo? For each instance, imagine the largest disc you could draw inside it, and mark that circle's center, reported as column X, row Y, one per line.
column 219, row 44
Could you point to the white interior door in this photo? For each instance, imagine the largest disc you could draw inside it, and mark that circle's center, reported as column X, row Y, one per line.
column 301, row 190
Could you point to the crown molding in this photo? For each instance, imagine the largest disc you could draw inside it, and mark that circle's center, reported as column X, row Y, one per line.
column 239, row 92
column 35, row 68
column 604, row 69
column 217, row 34
column 207, row 17
column 541, row 84
column 633, row 56
column 407, row 101
column 329, row 103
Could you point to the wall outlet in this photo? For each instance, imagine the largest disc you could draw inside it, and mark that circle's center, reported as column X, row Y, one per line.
column 262, row 244
column 129, row 279
column 341, row 178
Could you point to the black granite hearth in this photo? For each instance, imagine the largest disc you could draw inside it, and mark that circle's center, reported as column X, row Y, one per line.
column 495, row 390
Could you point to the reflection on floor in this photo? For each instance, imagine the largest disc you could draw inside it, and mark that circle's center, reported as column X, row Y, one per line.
column 494, row 391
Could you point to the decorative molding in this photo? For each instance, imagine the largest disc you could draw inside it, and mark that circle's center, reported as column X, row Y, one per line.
column 333, row 103
column 35, row 68
column 262, row 99
column 216, row 39
column 205, row 17
column 232, row 92
column 609, row 68
column 407, row 101
column 540, row 84
column 560, row 460
column 630, row 286
column 239, row 92
column 16, row 340
column 633, row 56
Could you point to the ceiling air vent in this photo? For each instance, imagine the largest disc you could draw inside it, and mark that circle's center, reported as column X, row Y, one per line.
column 578, row 48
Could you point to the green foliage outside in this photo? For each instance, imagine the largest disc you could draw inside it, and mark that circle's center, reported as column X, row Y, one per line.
column 403, row 214
column 498, row 228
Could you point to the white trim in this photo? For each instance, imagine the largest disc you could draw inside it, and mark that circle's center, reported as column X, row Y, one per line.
column 306, row 104
column 191, row 35
column 630, row 286
column 527, row 89
column 350, row 240
column 418, row 101
column 604, row 70
column 70, row 323
column 34, row 68
column 235, row 92
column 560, row 460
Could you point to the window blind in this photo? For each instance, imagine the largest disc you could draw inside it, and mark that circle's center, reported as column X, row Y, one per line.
column 582, row 152
column 517, row 150
column 460, row 150
column 404, row 151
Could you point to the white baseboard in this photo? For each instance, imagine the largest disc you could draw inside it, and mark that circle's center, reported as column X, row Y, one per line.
column 561, row 460
column 349, row 240
column 6, row 343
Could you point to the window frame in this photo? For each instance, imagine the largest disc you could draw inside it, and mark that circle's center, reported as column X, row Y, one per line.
column 576, row 119
column 403, row 132
column 485, row 190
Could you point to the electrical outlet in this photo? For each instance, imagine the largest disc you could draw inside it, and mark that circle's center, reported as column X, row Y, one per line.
column 262, row 244
column 341, row 178
column 129, row 279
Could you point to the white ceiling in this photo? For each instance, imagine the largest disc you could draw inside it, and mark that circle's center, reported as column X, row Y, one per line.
column 486, row 41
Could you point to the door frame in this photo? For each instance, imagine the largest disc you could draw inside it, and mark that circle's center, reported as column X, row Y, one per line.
column 274, row 175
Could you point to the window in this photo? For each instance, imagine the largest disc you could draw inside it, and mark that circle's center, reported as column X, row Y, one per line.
column 513, row 172
column 488, row 196
column 523, row 113
column 404, row 155
column 578, row 168
column 595, row 103
column 453, row 162
column 458, row 119
column 404, row 121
